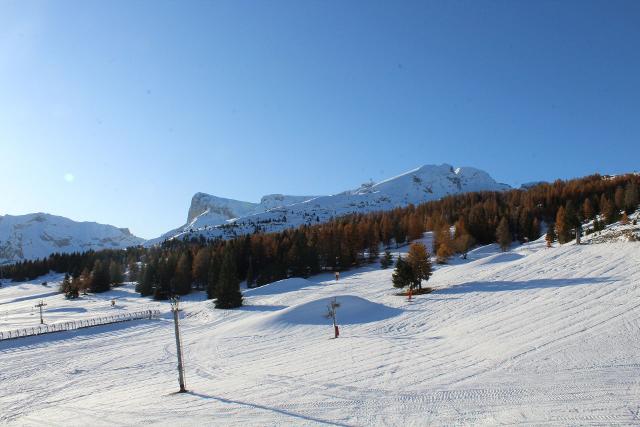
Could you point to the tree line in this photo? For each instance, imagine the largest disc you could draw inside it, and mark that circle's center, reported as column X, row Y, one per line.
column 219, row 266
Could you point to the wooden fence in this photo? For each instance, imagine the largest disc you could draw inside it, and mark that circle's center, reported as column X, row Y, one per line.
column 78, row 324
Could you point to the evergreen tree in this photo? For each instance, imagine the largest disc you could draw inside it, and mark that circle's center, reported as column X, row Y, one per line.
column 587, row 210
column 212, row 277
column 85, row 281
column 228, row 293
column 115, row 273
column 399, row 234
column 503, row 235
column 402, row 275
column 619, row 198
column 386, row 260
column 535, row 229
column 182, row 277
column 251, row 279
column 67, row 288
column 100, row 278
column 420, row 262
column 147, row 278
column 631, row 197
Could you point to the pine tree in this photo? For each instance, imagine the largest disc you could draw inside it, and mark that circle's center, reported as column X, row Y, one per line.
column 420, row 262
column 146, row 282
column 182, row 277
column 115, row 273
column 100, row 277
column 402, row 275
column 67, row 288
column 550, row 237
column 631, row 197
column 85, row 281
column 535, row 229
column 587, row 210
column 619, row 198
column 503, row 235
column 386, row 260
column 251, row 280
column 212, row 277
column 228, row 293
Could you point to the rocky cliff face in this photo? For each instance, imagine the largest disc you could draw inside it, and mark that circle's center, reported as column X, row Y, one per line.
column 212, row 216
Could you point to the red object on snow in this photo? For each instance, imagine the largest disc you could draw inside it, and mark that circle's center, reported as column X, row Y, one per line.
column 337, row 331
column 410, row 294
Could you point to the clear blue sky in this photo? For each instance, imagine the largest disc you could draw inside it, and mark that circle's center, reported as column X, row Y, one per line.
column 118, row 111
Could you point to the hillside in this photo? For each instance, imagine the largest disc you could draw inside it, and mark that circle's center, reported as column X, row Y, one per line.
column 535, row 335
column 212, row 216
column 38, row 235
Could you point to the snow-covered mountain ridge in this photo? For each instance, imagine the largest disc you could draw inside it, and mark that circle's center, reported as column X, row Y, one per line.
column 212, row 216
column 38, row 235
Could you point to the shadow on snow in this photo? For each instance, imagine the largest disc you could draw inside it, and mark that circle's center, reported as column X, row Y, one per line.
column 502, row 286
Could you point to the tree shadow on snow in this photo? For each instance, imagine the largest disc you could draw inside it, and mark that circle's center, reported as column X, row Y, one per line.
column 267, row 408
column 261, row 307
column 502, row 286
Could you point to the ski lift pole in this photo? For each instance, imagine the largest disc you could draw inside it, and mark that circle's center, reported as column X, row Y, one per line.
column 332, row 311
column 40, row 305
column 176, row 309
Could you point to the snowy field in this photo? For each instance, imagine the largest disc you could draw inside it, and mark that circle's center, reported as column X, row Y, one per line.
column 531, row 336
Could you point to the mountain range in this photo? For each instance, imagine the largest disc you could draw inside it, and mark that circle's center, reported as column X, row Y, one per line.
column 38, row 235
column 212, row 217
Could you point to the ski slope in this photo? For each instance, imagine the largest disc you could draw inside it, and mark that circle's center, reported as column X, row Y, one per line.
column 531, row 336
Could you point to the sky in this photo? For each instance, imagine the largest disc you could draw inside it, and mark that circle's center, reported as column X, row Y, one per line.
column 119, row 111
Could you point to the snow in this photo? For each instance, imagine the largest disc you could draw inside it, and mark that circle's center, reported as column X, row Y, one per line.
column 38, row 235
column 211, row 216
column 535, row 335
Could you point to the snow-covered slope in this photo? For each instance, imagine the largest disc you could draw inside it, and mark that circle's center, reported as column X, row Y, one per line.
column 533, row 336
column 213, row 216
column 38, row 235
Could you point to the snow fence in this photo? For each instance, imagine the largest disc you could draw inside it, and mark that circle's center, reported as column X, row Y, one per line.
column 78, row 324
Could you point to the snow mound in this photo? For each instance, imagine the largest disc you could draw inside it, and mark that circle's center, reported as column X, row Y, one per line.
column 281, row 286
column 353, row 310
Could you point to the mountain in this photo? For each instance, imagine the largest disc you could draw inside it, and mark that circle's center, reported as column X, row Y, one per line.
column 37, row 235
column 212, row 216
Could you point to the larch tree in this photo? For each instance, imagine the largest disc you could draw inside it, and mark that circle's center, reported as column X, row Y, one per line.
column 563, row 229
column 503, row 235
column 201, row 267
column 420, row 262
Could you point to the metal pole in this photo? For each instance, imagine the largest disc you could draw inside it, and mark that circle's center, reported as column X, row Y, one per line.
column 40, row 305
column 175, row 309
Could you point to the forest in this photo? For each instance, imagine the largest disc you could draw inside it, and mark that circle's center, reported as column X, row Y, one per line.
column 459, row 222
